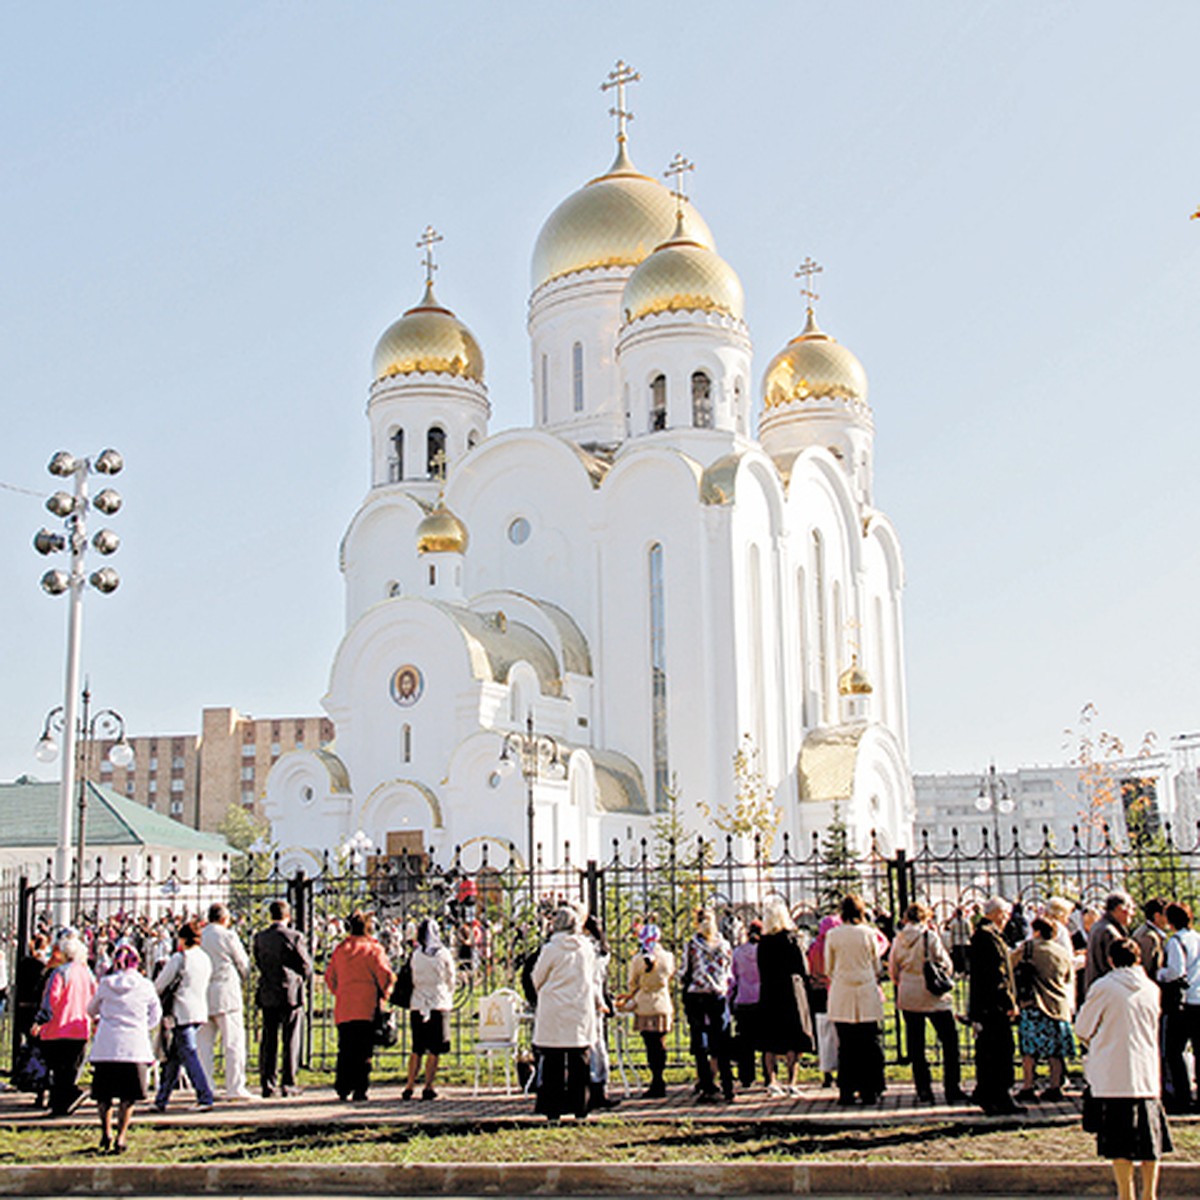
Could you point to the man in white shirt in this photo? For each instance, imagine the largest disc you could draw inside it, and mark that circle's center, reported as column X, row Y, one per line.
column 230, row 967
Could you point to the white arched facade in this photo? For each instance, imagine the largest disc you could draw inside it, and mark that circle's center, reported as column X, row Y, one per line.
column 638, row 574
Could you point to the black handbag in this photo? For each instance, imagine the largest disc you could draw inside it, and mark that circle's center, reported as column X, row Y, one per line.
column 1025, row 976
column 403, row 989
column 386, row 1031
column 30, row 1073
column 937, row 978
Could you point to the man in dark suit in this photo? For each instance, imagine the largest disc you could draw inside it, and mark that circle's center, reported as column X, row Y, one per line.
column 284, row 970
column 992, row 1008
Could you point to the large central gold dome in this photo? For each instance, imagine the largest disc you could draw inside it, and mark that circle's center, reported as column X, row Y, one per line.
column 616, row 220
column 428, row 338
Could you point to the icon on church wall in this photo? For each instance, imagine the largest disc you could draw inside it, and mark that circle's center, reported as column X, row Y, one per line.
column 406, row 686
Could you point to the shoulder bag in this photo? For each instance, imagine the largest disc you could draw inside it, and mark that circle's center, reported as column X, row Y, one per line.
column 402, row 992
column 937, row 978
column 1025, row 976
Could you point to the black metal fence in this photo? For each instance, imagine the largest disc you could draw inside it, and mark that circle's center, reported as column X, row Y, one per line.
column 491, row 912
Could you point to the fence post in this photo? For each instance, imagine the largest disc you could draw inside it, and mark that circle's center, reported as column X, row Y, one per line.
column 900, row 873
column 592, row 884
column 298, row 886
column 24, row 933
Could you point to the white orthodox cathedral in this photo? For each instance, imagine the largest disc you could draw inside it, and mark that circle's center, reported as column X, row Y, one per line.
column 646, row 573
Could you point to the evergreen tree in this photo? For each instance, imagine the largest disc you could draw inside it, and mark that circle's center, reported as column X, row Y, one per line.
column 839, row 874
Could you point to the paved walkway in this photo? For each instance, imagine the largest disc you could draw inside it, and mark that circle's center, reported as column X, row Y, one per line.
column 461, row 1106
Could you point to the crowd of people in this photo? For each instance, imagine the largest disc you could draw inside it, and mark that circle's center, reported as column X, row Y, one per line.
column 756, row 995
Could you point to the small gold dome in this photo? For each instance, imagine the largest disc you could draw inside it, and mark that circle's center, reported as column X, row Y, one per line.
column 812, row 366
column 853, row 680
column 428, row 338
column 682, row 275
column 441, row 532
column 616, row 220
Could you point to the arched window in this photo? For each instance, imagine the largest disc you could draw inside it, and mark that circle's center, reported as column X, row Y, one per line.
column 472, row 439
column 406, row 743
column 702, row 407
column 435, row 445
column 658, row 680
column 577, row 375
column 738, row 414
column 658, row 403
column 396, row 465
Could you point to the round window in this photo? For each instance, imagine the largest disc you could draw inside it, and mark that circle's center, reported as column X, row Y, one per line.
column 518, row 531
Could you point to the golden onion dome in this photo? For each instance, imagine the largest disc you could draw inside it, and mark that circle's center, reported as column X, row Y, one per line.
column 615, row 220
column 812, row 366
column 441, row 532
column 853, row 680
column 682, row 275
column 428, row 338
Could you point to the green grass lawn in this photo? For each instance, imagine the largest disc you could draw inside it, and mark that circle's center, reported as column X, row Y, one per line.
column 610, row 1139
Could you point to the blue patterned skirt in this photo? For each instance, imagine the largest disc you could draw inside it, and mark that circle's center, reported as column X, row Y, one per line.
column 1041, row 1036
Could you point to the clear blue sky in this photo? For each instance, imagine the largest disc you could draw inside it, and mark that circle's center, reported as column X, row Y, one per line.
column 208, row 217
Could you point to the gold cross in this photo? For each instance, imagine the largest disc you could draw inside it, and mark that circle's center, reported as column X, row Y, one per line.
column 806, row 271
column 622, row 74
column 438, row 463
column 427, row 241
column 678, row 167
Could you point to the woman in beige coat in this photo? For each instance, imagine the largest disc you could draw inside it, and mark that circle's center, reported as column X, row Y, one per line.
column 649, row 999
column 853, row 961
column 915, row 944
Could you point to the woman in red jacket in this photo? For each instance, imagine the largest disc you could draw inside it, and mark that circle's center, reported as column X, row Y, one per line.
column 360, row 978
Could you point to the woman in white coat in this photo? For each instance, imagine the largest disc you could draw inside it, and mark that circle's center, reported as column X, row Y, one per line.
column 126, row 1008
column 1119, row 1021
column 565, row 1022
column 186, row 976
column 853, row 963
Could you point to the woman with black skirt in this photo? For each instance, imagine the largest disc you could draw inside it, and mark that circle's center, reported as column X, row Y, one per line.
column 1119, row 1022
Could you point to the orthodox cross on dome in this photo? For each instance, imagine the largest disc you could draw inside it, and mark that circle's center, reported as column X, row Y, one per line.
column 622, row 74
column 850, row 631
column 429, row 238
column 678, row 167
column 438, row 463
column 807, row 271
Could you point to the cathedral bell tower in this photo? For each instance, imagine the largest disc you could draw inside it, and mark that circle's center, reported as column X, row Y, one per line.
column 815, row 394
column 683, row 348
column 428, row 405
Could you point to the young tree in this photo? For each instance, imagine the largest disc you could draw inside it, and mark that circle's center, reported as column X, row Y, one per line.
column 840, row 875
column 753, row 814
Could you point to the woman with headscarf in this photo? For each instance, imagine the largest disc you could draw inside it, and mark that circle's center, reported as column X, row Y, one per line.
column 707, row 972
column 360, row 978
column 598, row 1097
column 818, row 979
column 62, row 1023
column 127, row 1008
column 649, row 998
column 432, row 1000
column 744, row 996
column 564, row 1025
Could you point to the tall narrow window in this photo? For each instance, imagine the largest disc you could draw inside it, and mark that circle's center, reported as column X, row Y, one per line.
column 406, row 743
column 882, row 675
column 757, row 681
column 822, row 632
column 577, row 375
column 545, row 389
column 739, row 415
column 702, row 407
column 396, row 466
column 802, row 632
column 658, row 403
column 658, row 680
column 435, row 452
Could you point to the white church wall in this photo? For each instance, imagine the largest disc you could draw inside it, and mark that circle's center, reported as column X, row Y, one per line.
column 378, row 553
